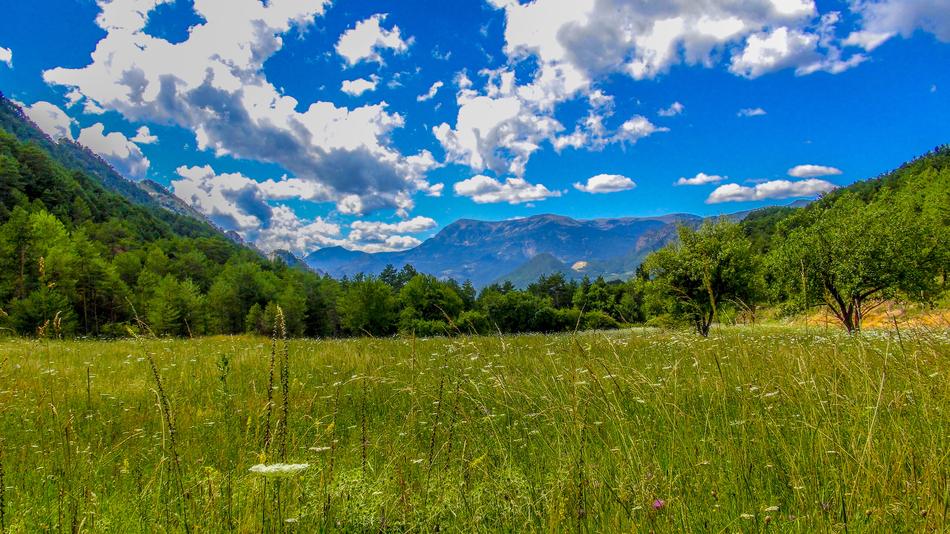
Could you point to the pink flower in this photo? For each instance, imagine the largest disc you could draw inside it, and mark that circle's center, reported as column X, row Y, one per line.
column 659, row 504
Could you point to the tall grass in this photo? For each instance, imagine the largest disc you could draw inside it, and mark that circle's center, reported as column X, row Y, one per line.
column 752, row 429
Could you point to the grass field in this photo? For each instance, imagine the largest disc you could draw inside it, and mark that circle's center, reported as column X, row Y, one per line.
column 754, row 429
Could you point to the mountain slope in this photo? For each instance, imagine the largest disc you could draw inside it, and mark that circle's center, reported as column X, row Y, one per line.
column 486, row 251
column 75, row 157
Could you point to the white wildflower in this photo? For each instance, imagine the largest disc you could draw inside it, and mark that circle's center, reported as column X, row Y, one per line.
column 278, row 470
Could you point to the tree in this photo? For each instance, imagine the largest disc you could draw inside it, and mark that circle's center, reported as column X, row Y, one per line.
column 368, row 306
column 554, row 287
column 701, row 271
column 853, row 256
column 164, row 313
column 431, row 299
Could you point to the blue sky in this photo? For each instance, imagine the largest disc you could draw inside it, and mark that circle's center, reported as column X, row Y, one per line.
column 310, row 123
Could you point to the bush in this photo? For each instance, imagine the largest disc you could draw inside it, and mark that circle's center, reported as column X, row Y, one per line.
column 424, row 328
column 474, row 322
column 568, row 318
column 597, row 320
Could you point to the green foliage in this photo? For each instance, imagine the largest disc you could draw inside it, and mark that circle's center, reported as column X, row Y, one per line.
column 598, row 320
column 852, row 256
column 368, row 307
column 705, row 269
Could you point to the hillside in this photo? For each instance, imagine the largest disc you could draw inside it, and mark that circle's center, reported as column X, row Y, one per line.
column 154, row 197
column 80, row 257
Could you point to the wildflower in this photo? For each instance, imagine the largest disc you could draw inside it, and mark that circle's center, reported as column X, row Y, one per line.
column 659, row 504
column 278, row 470
column 772, row 509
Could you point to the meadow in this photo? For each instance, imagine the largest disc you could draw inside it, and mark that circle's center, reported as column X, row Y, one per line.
column 753, row 429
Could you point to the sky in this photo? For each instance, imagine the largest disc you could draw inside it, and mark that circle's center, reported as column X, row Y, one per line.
column 303, row 124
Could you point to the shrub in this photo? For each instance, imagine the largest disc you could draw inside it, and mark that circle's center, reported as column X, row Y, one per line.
column 597, row 320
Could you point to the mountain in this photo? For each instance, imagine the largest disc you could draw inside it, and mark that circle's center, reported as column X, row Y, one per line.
column 488, row 251
column 149, row 194
column 529, row 271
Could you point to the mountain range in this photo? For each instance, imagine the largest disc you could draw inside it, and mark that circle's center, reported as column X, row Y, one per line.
column 520, row 250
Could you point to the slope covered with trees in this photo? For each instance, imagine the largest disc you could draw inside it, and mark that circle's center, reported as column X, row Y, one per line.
column 79, row 258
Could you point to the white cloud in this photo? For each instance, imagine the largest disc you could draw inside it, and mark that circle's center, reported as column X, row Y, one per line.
column 231, row 200
column 570, row 44
column 775, row 189
column 497, row 133
column 430, row 94
column 637, row 128
column 375, row 236
column 675, row 108
column 751, row 112
column 360, row 85
column 867, row 40
column 52, row 120
column 807, row 51
column 768, row 51
column 485, row 190
column 700, row 179
column 364, row 41
column 379, row 231
column 235, row 202
column 6, row 56
column 143, row 136
column 882, row 19
column 117, row 149
column 605, row 183
column 214, row 84
column 813, row 171
column 286, row 231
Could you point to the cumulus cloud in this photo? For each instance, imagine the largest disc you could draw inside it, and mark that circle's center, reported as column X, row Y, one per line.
column 605, row 183
column 52, row 120
column 430, row 94
column 700, row 179
column 375, row 236
column 637, row 128
column 775, row 189
column 367, row 39
column 117, row 149
column 235, row 202
column 751, row 112
column 674, row 109
column 883, row 19
column 813, row 171
column 231, row 200
column 567, row 45
column 360, row 85
column 6, row 56
column 486, row 190
column 143, row 136
column 807, row 51
column 213, row 83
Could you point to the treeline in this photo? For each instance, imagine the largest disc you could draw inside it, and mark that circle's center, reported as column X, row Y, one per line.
column 77, row 259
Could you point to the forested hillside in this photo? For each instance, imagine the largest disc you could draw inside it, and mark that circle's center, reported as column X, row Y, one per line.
column 79, row 258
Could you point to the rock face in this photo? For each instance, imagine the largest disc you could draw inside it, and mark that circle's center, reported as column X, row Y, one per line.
column 520, row 250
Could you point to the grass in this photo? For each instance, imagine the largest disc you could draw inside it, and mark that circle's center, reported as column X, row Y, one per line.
column 754, row 429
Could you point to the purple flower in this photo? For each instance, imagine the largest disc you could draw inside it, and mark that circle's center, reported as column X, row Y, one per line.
column 659, row 504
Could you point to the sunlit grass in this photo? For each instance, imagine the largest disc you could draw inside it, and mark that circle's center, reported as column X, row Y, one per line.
column 754, row 428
